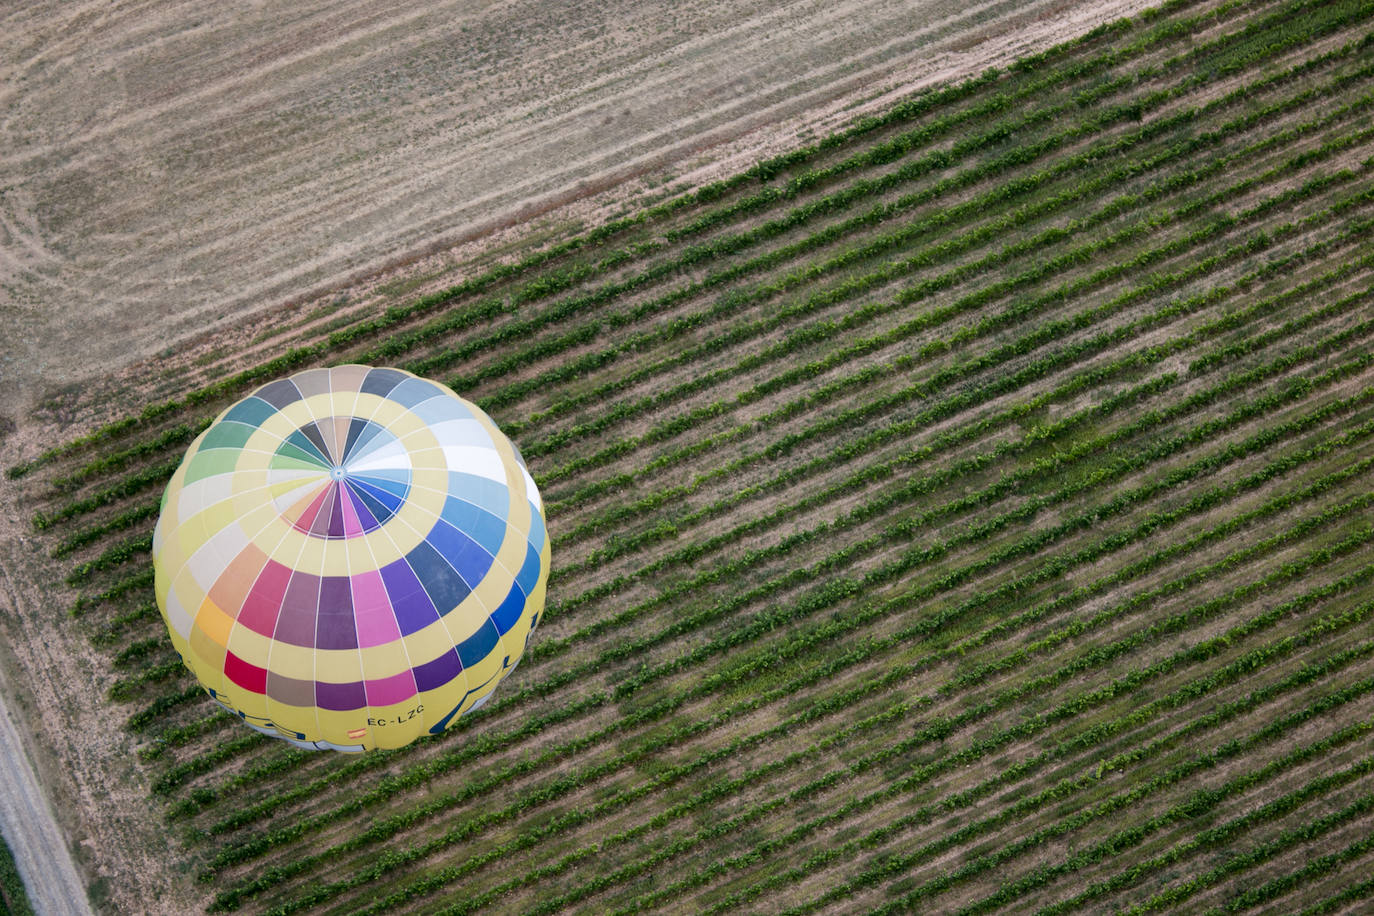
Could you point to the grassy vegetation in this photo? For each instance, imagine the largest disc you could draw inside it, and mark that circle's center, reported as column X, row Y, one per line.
column 969, row 508
column 14, row 899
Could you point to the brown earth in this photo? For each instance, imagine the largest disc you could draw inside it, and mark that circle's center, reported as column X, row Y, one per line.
column 169, row 171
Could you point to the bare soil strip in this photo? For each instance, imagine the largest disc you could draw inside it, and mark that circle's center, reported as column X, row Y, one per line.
column 38, row 843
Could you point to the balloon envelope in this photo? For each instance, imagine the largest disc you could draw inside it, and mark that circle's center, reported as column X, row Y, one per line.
column 351, row 557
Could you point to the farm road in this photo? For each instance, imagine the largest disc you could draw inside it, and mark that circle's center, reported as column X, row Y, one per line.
column 32, row 832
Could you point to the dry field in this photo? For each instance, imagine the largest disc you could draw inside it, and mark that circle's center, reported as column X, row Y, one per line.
column 966, row 511
column 174, row 167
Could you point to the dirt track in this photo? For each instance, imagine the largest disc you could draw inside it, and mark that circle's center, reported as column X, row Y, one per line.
column 39, row 849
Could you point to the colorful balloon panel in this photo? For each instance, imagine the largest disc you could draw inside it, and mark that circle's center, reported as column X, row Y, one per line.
column 351, row 557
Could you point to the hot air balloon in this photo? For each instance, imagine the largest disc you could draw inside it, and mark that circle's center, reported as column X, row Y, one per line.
column 350, row 558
